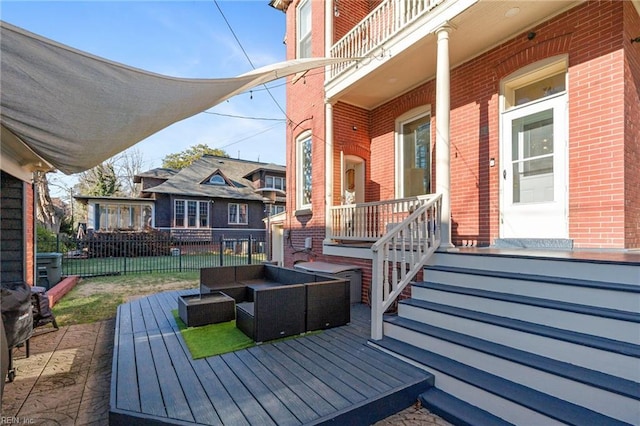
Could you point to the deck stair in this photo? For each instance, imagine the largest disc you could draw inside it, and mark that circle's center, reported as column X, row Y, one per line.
column 523, row 339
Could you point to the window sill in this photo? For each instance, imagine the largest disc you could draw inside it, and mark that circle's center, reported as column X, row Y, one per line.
column 303, row 212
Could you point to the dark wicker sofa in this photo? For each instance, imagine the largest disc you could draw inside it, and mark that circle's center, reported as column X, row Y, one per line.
column 275, row 312
column 267, row 295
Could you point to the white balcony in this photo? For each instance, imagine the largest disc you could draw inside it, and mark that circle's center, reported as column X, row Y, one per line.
column 397, row 42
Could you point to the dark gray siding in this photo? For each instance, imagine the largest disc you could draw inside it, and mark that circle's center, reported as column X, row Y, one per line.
column 11, row 229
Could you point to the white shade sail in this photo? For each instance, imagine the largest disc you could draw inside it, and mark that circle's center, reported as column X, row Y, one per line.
column 74, row 110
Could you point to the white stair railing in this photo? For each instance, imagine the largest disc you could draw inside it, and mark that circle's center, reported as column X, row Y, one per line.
column 399, row 255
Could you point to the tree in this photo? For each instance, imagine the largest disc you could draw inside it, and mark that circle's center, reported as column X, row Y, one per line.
column 47, row 213
column 185, row 158
column 129, row 164
column 101, row 180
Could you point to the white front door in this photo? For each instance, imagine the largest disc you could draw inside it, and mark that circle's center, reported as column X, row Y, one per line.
column 534, row 170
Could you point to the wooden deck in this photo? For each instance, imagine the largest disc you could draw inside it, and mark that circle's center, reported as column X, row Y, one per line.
column 333, row 376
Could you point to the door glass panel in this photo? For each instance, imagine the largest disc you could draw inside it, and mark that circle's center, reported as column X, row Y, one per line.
column 416, row 155
column 532, row 158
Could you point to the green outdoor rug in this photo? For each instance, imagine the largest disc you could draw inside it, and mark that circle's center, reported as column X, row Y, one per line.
column 218, row 339
column 212, row 339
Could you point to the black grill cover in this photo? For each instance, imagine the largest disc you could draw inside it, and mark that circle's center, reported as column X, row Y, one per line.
column 17, row 313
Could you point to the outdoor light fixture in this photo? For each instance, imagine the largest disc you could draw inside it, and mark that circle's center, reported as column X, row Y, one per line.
column 531, row 35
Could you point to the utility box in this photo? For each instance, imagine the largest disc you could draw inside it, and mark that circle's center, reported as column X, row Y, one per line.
column 351, row 272
column 51, row 263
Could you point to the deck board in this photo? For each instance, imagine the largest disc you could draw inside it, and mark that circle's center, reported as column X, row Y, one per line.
column 305, row 380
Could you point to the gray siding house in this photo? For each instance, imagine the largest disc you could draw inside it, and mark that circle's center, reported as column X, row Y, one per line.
column 216, row 194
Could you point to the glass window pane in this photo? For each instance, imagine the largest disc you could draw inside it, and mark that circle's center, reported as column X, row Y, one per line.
column 243, row 213
column 416, row 143
column 233, row 213
column 147, row 218
column 204, row 214
column 179, row 213
column 306, row 171
column 532, row 155
column 540, row 89
column 191, row 213
column 125, row 217
column 304, row 30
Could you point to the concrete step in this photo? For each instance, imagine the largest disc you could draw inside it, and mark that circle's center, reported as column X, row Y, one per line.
column 604, row 322
column 621, row 268
column 510, row 401
column 604, row 294
column 609, row 356
column 610, row 395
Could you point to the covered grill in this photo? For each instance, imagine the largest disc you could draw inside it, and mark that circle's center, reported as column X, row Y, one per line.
column 17, row 317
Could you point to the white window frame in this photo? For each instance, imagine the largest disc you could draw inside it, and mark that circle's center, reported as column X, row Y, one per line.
column 303, row 40
column 238, row 216
column 114, row 216
column 278, row 182
column 185, row 220
column 401, row 121
column 301, row 201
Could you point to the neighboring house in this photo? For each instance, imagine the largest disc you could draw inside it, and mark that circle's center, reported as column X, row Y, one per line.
column 504, row 124
column 214, row 193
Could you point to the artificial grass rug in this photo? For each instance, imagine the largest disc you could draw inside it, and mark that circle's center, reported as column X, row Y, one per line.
column 212, row 339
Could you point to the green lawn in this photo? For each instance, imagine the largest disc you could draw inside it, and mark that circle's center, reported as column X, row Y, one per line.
column 97, row 298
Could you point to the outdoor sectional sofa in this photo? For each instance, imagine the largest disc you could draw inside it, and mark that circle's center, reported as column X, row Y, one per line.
column 274, row 302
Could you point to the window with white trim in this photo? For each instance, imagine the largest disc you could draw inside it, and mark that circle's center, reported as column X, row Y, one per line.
column 304, row 29
column 413, row 153
column 122, row 216
column 238, row 214
column 303, row 171
column 275, row 182
column 275, row 209
column 191, row 214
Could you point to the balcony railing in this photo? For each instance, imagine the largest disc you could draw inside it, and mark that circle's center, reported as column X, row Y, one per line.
column 370, row 221
column 377, row 27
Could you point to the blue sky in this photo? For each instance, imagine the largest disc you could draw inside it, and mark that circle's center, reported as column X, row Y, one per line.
column 181, row 39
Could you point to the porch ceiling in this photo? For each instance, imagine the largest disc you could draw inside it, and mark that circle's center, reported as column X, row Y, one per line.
column 480, row 27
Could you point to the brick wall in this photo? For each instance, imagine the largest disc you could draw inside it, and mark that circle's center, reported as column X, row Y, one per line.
column 604, row 190
column 591, row 37
column 306, row 112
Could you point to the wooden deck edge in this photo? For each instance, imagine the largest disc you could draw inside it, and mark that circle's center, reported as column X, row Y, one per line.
column 379, row 408
column 128, row 418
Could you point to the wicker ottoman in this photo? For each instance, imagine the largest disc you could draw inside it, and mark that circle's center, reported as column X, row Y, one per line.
column 211, row 308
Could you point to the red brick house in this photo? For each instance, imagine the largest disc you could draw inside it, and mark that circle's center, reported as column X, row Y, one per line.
column 469, row 124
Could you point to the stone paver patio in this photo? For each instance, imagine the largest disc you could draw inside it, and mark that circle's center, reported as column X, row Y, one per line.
column 65, row 380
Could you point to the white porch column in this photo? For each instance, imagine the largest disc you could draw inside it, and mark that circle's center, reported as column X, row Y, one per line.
column 328, row 176
column 443, row 106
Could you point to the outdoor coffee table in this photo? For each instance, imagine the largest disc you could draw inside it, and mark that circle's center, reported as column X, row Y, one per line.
column 210, row 308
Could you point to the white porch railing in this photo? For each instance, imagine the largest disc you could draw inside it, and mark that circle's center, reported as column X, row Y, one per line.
column 399, row 255
column 377, row 27
column 370, row 221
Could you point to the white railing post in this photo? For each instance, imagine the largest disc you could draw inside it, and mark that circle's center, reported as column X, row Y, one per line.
column 376, row 296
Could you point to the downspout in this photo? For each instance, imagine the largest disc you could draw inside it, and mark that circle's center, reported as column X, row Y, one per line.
column 328, row 107
column 328, row 122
